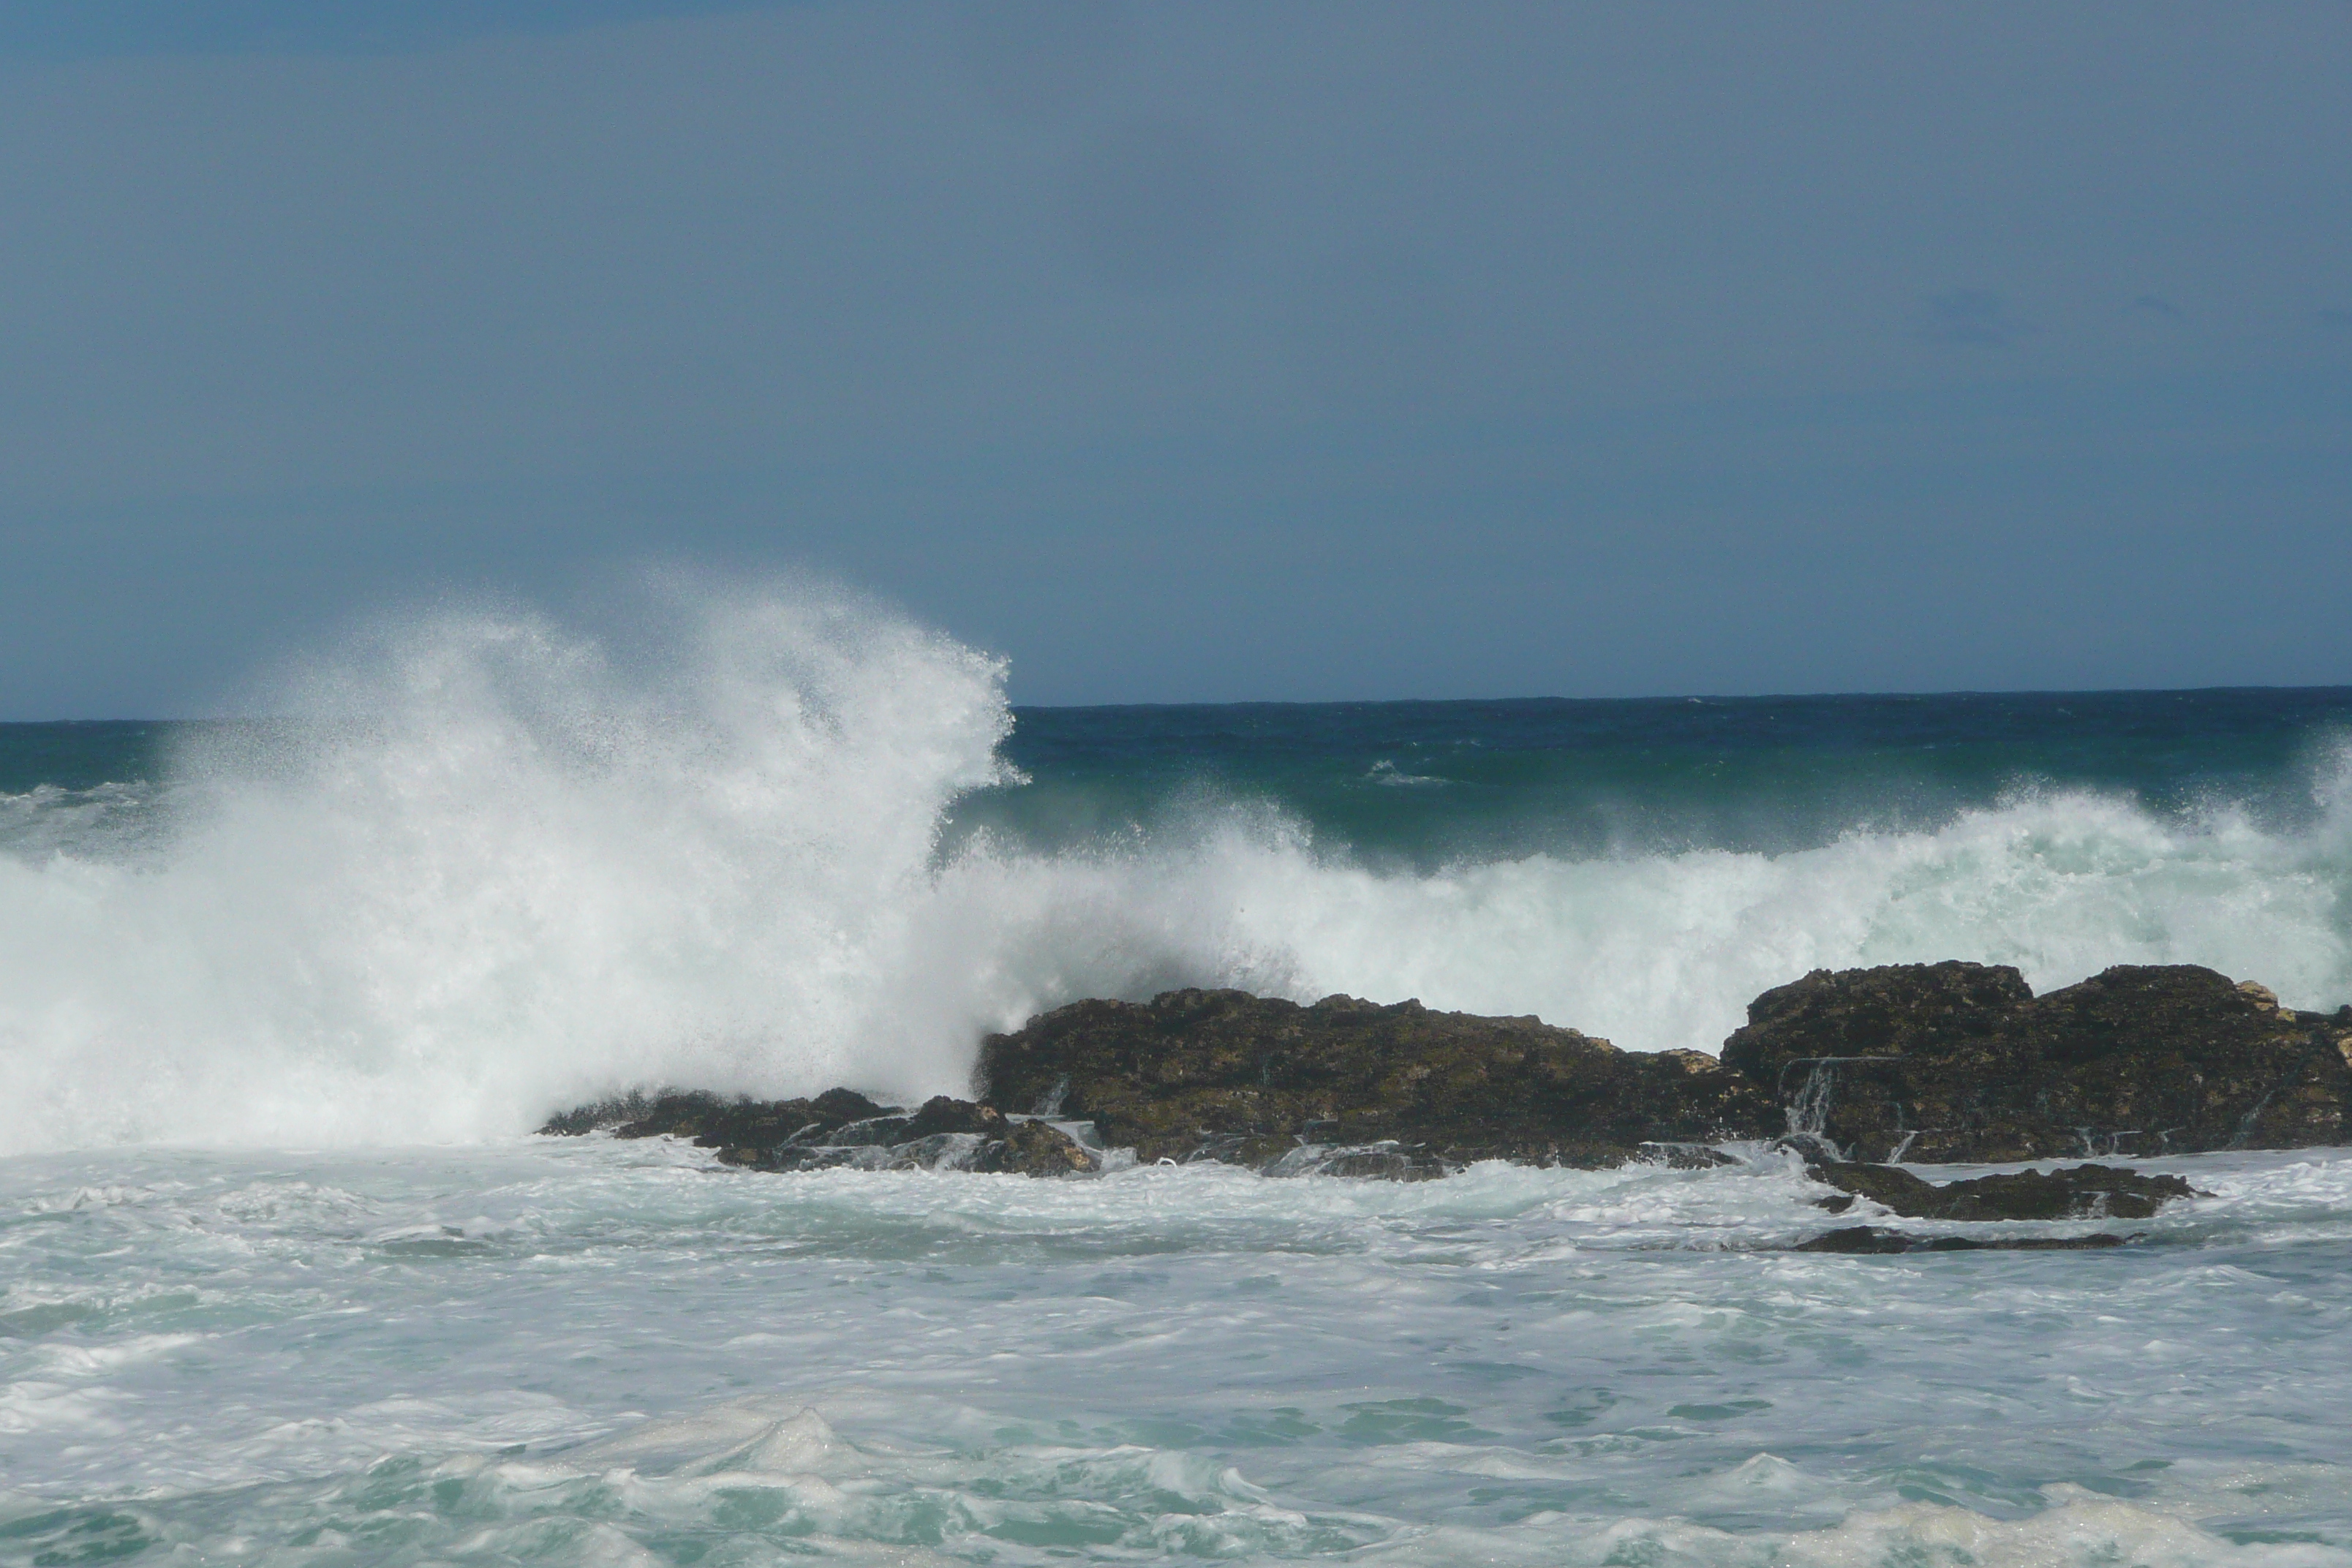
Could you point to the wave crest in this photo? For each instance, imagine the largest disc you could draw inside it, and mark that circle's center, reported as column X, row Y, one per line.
column 492, row 867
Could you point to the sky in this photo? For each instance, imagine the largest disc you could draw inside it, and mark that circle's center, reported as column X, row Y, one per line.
column 1192, row 352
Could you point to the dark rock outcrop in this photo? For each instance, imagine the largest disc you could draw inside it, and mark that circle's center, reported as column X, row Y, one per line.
column 943, row 1114
column 840, row 1128
column 2076, row 1192
column 1961, row 1062
column 1934, row 1063
column 1224, row 1075
column 1038, row 1149
column 1871, row 1238
column 714, row 1122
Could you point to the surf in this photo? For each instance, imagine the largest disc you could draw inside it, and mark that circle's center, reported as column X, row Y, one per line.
column 483, row 863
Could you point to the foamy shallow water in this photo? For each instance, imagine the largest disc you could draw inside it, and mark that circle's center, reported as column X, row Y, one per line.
column 588, row 1352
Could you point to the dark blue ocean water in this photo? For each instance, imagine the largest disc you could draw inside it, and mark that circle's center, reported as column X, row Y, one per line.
column 1425, row 783
column 1476, row 779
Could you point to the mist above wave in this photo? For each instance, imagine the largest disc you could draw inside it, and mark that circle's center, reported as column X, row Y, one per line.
column 485, row 861
column 491, row 865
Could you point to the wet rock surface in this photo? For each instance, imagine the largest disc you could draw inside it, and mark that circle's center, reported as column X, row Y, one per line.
column 1224, row 1075
column 1039, row 1149
column 713, row 1122
column 2078, row 1192
column 1866, row 1238
column 1856, row 1069
column 1952, row 1063
column 841, row 1128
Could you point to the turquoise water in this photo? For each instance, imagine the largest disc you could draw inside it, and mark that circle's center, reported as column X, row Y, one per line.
column 605, row 1353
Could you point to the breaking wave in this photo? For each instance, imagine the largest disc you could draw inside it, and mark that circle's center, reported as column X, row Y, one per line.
column 490, row 866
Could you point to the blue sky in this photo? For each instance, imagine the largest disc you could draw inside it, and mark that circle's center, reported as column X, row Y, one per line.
column 1194, row 351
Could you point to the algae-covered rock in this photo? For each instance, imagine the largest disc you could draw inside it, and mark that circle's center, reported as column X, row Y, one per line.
column 1961, row 1062
column 1195, row 1074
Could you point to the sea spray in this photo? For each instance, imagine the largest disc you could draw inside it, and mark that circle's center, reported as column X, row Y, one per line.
column 484, row 865
column 480, row 865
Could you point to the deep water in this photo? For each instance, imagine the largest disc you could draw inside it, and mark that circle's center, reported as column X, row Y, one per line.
column 283, row 1280
column 1426, row 785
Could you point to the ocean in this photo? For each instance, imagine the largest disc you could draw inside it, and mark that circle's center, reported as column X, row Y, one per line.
column 287, row 1279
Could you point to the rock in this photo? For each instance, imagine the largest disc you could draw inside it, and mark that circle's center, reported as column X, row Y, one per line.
column 1387, row 1160
column 1038, row 1148
column 1226, row 1075
column 836, row 1105
column 941, row 1114
column 712, row 1120
column 584, row 1119
column 939, row 1152
column 1685, row 1156
column 682, row 1116
column 839, row 1127
column 745, row 1132
column 809, row 1157
column 874, row 1132
column 1961, row 1062
column 1257, row 1150
column 1869, row 1238
column 1939, row 1063
column 2079, row 1192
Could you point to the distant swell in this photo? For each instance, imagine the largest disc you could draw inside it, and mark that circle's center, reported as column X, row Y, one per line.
column 492, row 867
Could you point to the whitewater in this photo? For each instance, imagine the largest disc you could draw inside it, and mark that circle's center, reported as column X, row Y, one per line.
column 595, row 1352
column 286, row 1279
column 481, row 867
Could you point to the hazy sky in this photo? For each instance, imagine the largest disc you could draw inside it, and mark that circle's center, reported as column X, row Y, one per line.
column 1194, row 351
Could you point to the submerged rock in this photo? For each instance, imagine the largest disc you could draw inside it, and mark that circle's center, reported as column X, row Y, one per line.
column 1224, row 1075
column 1954, row 1062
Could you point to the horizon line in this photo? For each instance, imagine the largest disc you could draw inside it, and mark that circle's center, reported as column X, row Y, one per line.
column 1884, row 695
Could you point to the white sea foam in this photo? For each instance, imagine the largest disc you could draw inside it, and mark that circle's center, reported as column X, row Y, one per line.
column 495, row 867
column 622, row 1349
